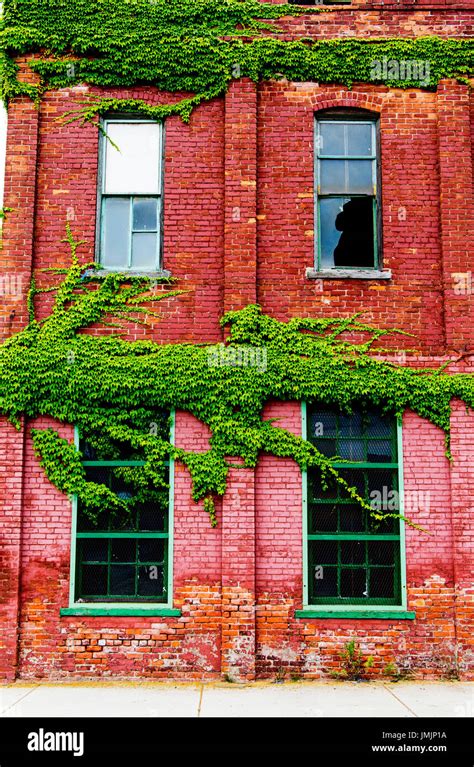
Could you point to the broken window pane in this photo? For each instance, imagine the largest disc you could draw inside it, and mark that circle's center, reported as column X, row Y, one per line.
column 346, row 232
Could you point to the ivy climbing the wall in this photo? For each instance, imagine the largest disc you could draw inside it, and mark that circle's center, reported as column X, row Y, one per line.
column 115, row 390
column 195, row 48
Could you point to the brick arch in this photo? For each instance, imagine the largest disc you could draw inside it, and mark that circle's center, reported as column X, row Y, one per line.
column 343, row 98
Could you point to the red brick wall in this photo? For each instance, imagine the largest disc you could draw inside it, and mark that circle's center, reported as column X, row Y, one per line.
column 11, row 495
column 311, row 647
column 412, row 300
column 239, row 585
column 239, row 228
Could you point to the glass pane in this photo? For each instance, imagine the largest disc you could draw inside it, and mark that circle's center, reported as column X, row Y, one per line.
column 324, row 582
column 122, row 580
column 354, row 478
column 120, row 487
column 94, row 580
column 94, row 550
column 151, row 551
column 352, row 519
column 383, row 493
column 150, row 581
column 331, row 138
column 333, row 176
column 381, row 552
column 355, row 221
column 379, row 426
column 152, row 518
column 123, row 521
column 360, row 177
column 329, row 211
column 99, row 474
column 123, row 550
column 381, row 582
column 86, row 525
column 351, row 425
column 351, row 449
column 145, row 215
column 322, row 424
column 324, row 552
column 88, row 451
column 380, row 451
column 316, row 489
column 323, row 519
column 116, row 233
column 135, row 167
column 359, row 139
column 144, row 251
column 326, row 447
column 353, row 552
column 353, row 583
column 383, row 526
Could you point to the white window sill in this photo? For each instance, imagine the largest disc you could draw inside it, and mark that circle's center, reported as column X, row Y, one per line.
column 349, row 274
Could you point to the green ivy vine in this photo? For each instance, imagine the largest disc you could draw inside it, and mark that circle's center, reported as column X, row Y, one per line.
column 118, row 392
column 193, row 48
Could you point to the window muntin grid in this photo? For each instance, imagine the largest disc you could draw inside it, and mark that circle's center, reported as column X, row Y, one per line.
column 130, row 195
column 353, row 559
column 124, row 557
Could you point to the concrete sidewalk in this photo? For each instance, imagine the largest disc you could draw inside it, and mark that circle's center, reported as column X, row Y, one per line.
column 306, row 699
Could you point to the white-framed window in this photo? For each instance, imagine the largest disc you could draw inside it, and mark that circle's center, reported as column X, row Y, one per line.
column 130, row 195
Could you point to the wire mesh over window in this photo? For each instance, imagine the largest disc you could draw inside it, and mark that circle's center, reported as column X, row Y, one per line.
column 353, row 558
column 122, row 556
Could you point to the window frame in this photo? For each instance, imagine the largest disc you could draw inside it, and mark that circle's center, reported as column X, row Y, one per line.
column 361, row 117
column 352, row 606
column 101, row 196
column 122, row 606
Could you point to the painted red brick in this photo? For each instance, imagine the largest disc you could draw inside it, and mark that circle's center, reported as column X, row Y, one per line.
column 239, row 229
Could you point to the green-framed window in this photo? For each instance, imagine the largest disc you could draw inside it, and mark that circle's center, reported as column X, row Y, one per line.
column 347, row 199
column 130, row 195
column 352, row 558
column 125, row 556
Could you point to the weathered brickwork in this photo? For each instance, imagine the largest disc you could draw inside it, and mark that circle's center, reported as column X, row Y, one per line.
column 239, row 228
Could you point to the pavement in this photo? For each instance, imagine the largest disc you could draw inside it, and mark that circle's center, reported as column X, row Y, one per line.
column 259, row 699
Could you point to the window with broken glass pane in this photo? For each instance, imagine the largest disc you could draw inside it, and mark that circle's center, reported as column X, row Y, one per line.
column 347, row 206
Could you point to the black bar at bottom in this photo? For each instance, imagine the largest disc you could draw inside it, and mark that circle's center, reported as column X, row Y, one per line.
column 84, row 741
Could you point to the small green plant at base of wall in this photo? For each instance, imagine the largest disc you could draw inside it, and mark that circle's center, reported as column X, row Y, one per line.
column 353, row 664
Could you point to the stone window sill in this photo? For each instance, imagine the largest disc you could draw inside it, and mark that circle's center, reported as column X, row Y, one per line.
column 349, row 274
column 160, row 274
column 356, row 614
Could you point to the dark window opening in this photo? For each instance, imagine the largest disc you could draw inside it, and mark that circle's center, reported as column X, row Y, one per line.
column 122, row 556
